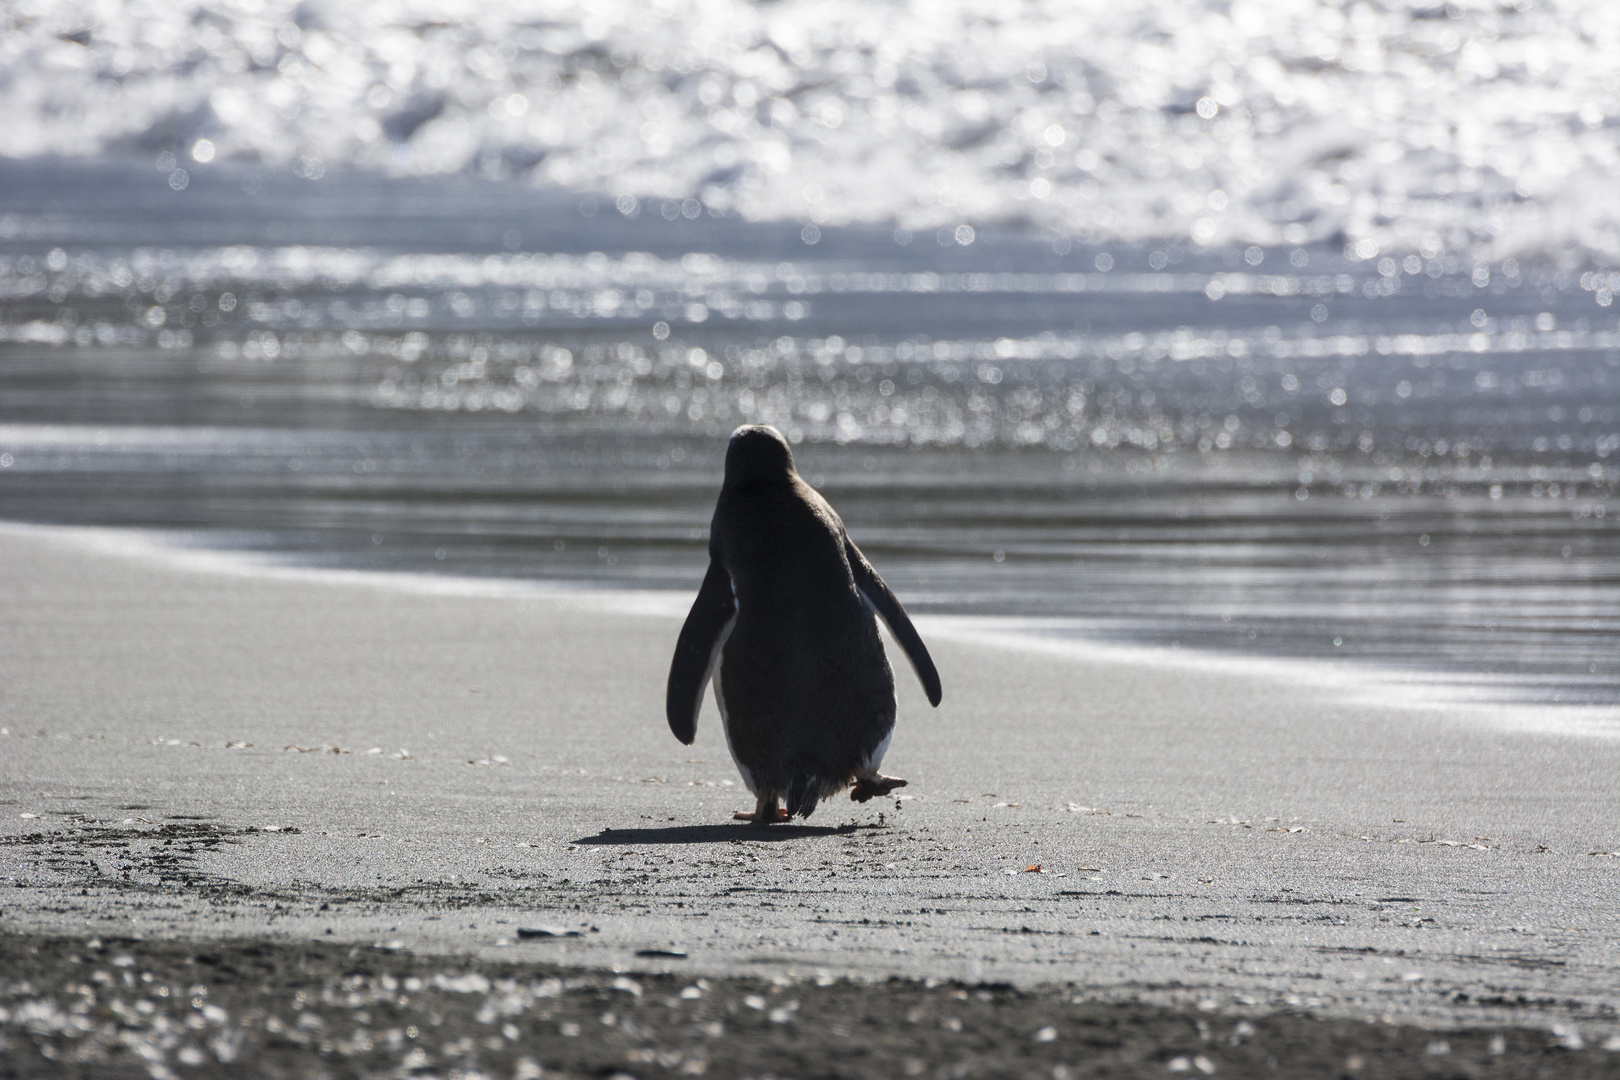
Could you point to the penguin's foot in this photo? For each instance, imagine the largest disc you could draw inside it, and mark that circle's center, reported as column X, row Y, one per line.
column 868, row 787
column 764, row 814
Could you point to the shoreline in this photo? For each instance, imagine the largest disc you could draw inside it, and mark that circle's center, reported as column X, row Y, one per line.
column 206, row 756
column 1431, row 691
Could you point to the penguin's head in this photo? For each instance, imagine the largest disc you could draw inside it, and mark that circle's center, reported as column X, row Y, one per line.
column 758, row 453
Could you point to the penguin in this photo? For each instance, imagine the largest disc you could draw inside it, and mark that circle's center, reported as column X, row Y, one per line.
column 785, row 626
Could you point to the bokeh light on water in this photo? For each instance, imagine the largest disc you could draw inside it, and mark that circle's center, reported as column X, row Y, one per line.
column 1421, row 127
column 1276, row 450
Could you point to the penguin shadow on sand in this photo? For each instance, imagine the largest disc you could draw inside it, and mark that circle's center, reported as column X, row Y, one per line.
column 717, row 834
column 785, row 629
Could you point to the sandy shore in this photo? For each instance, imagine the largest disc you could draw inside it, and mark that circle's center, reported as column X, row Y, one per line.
column 107, row 1008
column 197, row 750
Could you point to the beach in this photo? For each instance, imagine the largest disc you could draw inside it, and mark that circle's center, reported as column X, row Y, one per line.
column 202, row 748
column 1229, row 396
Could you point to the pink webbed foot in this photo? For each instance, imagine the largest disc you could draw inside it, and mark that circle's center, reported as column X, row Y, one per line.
column 869, row 787
column 763, row 815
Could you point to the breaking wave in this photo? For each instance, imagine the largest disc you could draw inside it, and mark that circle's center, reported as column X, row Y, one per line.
column 1480, row 129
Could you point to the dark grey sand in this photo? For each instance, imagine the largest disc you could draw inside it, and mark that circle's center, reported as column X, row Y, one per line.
column 203, row 759
column 110, row 1007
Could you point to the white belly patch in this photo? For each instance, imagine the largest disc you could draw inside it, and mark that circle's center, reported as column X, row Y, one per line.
column 720, row 703
column 874, row 760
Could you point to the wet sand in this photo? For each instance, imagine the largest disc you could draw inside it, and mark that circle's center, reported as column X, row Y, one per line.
column 206, row 758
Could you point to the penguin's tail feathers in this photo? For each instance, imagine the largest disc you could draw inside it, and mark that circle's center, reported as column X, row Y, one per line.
column 805, row 791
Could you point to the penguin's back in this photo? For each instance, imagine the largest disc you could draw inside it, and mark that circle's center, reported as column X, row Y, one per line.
column 806, row 690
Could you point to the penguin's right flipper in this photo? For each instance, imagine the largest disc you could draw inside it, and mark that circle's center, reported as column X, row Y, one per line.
column 697, row 650
column 882, row 601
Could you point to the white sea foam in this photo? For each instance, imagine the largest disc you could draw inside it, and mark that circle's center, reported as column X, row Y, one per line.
column 178, row 550
column 1473, row 127
column 1480, row 701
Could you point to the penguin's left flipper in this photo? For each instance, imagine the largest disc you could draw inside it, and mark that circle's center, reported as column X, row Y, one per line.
column 881, row 600
column 696, row 651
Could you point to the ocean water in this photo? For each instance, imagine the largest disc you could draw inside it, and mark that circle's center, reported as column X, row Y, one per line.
column 1477, row 128
column 1273, row 330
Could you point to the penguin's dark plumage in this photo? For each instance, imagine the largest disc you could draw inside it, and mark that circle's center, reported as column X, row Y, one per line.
column 784, row 625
